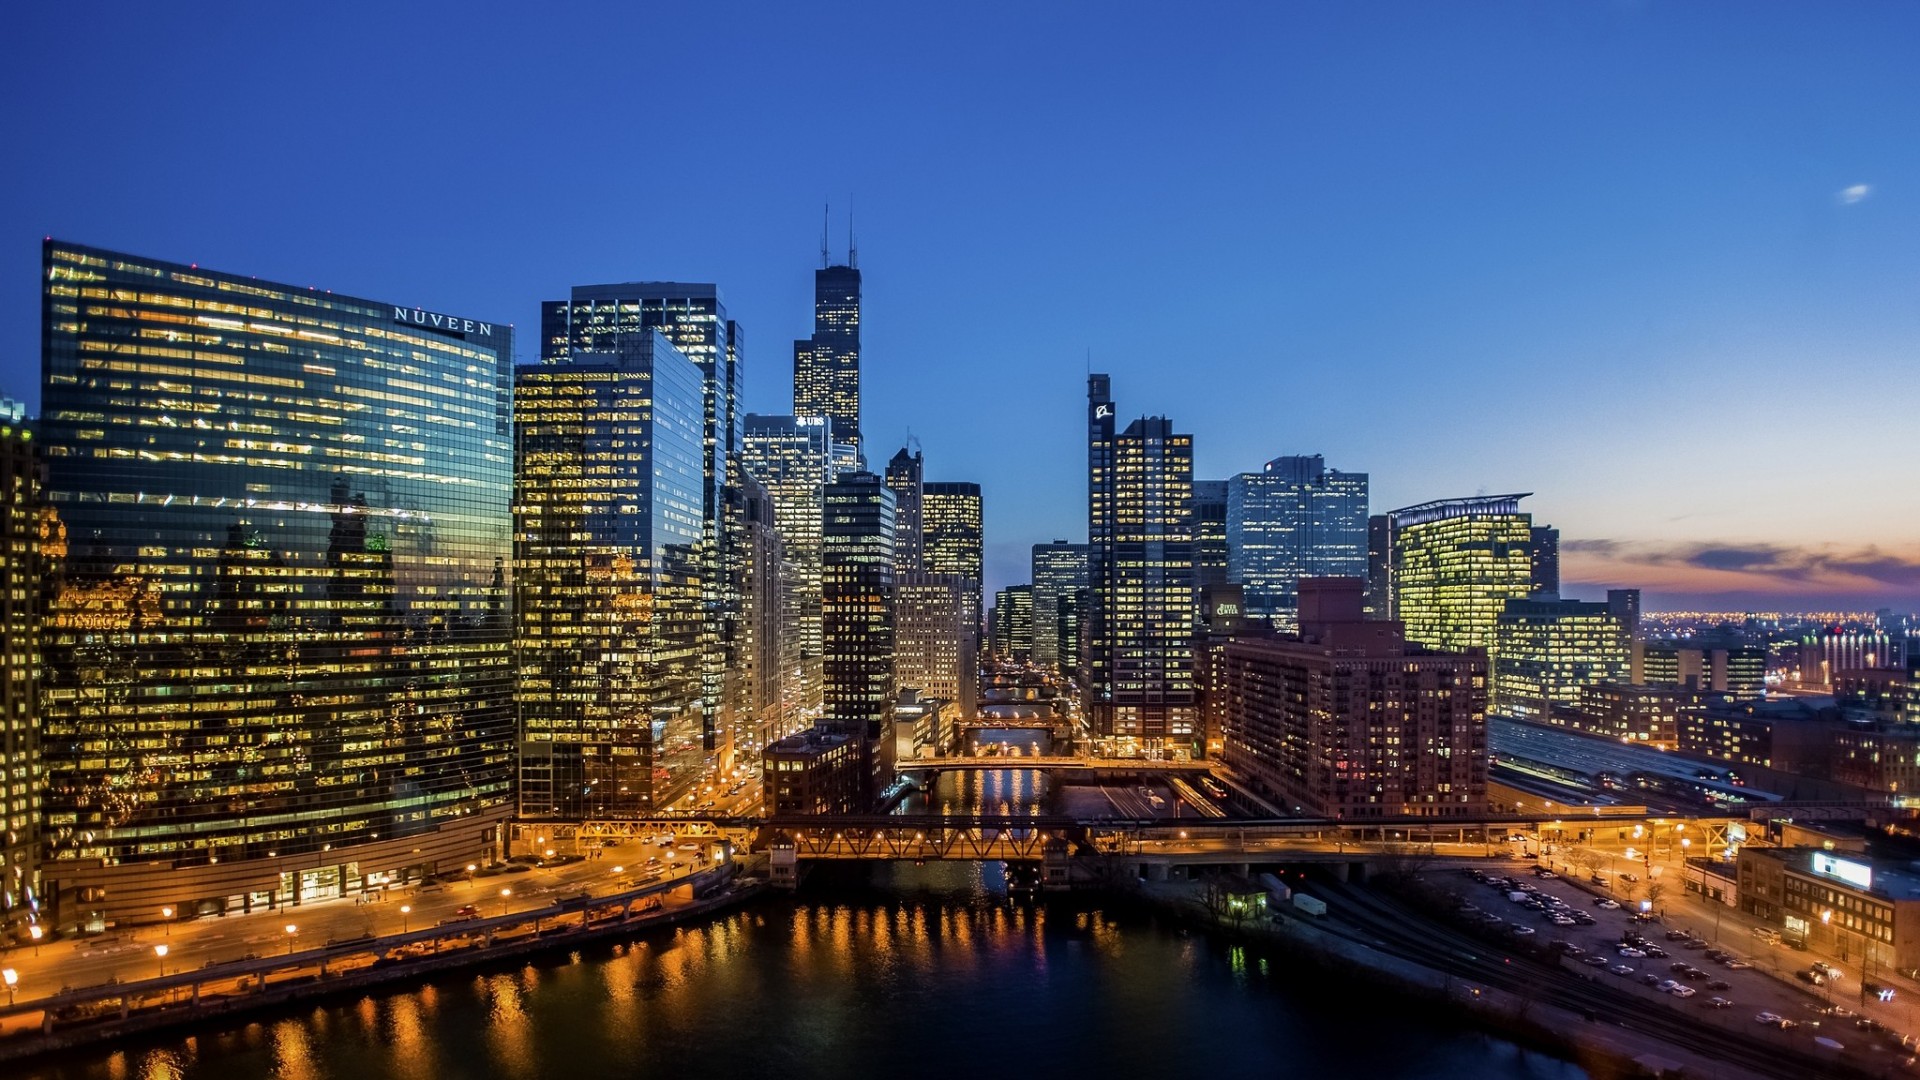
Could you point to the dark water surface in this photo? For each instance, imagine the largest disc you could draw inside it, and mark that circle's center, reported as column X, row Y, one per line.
column 911, row 972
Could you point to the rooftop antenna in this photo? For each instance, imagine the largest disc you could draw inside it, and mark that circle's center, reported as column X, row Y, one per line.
column 825, row 260
column 853, row 253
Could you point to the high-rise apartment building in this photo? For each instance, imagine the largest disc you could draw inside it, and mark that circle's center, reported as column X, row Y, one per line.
column 1059, row 576
column 1294, row 519
column 1212, row 557
column 1141, row 566
column 952, row 526
column 906, row 480
column 600, row 319
column 1380, row 566
column 793, row 458
column 1547, row 651
column 279, row 650
column 21, row 547
column 826, row 366
column 1454, row 564
column 608, row 578
column 1349, row 719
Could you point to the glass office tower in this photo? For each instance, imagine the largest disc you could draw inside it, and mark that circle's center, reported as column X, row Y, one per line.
column 826, row 366
column 952, row 528
column 279, row 648
column 21, row 548
column 607, row 503
column 1294, row 519
column 1455, row 564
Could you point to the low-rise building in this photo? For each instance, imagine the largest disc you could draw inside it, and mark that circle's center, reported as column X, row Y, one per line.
column 1643, row 715
column 1862, row 910
column 820, row 771
column 1792, row 736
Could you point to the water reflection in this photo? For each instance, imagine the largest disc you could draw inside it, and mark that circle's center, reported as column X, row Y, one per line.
column 921, row 971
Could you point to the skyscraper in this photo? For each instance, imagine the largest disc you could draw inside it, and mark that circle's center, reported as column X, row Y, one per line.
column 1013, row 623
column 1141, row 566
column 1212, row 557
column 21, row 548
column 936, row 644
column 1350, row 720
column 278, row 657
column 953, row 526
column 826, row 366
column 598, row 319
column 793, row 458
column 1059, row 575
column 1545, row 541
column 1294, row 519
column 905, row 480
column 857, row 624
column 1455, row 563
column 608, row 579
column 1548, row 650
column 769, row 656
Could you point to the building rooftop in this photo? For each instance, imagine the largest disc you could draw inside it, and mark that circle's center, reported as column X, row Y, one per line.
column 1890, row 880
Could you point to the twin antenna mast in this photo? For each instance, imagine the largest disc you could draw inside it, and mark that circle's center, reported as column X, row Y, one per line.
column 853, row 250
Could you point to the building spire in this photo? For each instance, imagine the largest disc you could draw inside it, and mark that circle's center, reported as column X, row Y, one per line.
column 826, row 211
column 853, row 252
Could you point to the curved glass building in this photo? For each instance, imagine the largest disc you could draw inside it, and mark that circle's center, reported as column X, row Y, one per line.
column 279, row 645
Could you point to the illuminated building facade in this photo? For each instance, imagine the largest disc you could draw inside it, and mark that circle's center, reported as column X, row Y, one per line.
column 1013, row 623
column 1294, row 519
column 599, row 319
column 1141, row 567
column 1739, row 670
column 1455, row 564
column 792, row 457
column 21, row 545
column 278, row 652
column 1059, row 576
column 856, row 614
column 936, row 646
column 952, row 523
column 1348, row 719
column 1548, row 650
column 905, row 479
column 1546, row 560
column 1212, row 558
column 768, row 656
column 826, row 366
column 608, row 584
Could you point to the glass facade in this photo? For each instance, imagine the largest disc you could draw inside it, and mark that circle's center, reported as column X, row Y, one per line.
column 1295, row 518
column 826, row 366
column 793, row 458
column 607, row 526
column 952, row 529
column 282, row 622
column 1059, row 574
column 21, row 548
column 857, row 603
column 599, row 319
column 1548, row 651
column 1455, row 564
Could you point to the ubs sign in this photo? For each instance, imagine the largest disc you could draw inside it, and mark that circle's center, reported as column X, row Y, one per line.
column 420, row 317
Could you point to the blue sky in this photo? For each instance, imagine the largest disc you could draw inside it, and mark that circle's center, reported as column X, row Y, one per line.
column 1658, row 263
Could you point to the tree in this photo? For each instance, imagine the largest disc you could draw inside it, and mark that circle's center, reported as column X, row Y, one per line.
column 1655, row 890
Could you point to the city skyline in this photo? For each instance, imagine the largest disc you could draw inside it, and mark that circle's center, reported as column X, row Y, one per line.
column 1680, row 318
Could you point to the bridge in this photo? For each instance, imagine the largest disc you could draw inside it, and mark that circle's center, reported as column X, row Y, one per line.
column 1106, row 766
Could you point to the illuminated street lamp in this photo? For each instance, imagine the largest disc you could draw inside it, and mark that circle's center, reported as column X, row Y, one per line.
column 160, row 951
column 405, row 910
column 167, row 914
column 505, row 895
column 36, row 932
column 291, row 931
column 11, row 977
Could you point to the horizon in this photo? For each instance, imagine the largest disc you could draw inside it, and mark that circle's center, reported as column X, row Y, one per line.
column 1628, row 259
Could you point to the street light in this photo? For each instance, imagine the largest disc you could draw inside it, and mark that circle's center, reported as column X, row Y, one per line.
column 405, row 910
column 505, row 894
column 160, row 951
column 36, row 932
column 291, row 931
column 11, row 977
column 167, row 914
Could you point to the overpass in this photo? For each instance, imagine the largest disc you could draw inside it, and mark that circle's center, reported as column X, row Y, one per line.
column 1102, row 766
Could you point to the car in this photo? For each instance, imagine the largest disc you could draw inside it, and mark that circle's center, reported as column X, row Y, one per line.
column 1573, row 950
column 1720, row 955
column 1628, row 950
column 1719, row 984
column 1717, row 1003
column 466, row 911
column 1682, row 991
column 1651, row 979
column 1737, row 964
column 1831, row 973
column 1774, row 1020
column 1677, row 935
column 1693, row 944
column 1523, row 931
column 1582, row 918
column 1598, row 879
column 1629, row 877
column 1621, row 969
column 1666, row 985
column 1603, row 902
column 1594, row 960
column 1811, row 977
column 1548, row 874
column 1678, row 966
column 1655, row 951
column 1564, row 920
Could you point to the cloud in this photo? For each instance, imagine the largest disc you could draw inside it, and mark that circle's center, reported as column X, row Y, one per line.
column 1850, row 195
column 1751, row 568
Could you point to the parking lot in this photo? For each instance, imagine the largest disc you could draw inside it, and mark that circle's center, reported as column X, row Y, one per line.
column 1719, row 983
